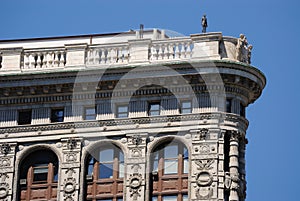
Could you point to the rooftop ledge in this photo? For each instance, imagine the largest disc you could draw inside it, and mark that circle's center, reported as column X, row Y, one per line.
column 118, row 49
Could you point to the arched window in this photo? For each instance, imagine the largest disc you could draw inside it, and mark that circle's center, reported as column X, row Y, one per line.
column 105, row 174
column 39, row 176
column 170, row 172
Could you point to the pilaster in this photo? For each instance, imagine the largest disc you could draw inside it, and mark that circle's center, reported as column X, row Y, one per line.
column 7, row 163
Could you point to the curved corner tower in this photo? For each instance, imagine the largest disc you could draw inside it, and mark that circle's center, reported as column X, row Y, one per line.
column 125, row 116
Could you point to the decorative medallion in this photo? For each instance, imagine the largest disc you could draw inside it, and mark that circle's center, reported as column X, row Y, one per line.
column 204, row 179
column 69, row 185
column 135, row 182
column 204, row 149
column 71, row 157
column 4, row 190
column 5, row 148
column 136, row 152
column 4, row 162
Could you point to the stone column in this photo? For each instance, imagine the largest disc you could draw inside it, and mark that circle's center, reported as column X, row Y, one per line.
column 234, row 165
column 243, row 183
column 136, row 167
column 7, row 163
column 70, row 168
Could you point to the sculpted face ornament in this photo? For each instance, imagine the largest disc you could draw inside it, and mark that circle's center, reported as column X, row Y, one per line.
column 71, row 143
column 136, row 140
column 5, row 148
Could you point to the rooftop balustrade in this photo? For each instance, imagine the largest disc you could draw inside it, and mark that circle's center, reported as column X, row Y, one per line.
column 37, row 55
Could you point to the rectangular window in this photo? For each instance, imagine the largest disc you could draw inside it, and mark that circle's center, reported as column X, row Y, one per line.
column 24, row 117
column 40, row 173
column 57, row 115
column 242, row 110
column 171, row 159
column 122, row 111
column 154, row 109
column 228, row 105
column 186, row 107
column 90, row 113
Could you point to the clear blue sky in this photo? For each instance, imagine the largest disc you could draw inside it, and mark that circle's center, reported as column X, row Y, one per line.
column 273, row 159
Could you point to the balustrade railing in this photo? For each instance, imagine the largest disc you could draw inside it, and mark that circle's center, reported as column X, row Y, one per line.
column 171, row 49
column 44, row 59
column 0, row 60
column 103, row 54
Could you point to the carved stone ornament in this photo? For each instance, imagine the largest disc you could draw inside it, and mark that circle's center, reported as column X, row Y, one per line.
column 203, row 134
column 69, row 198
column 227, row 181
column 136, row 152
column 204, row 164
column 136, row 140
column 3, row 177
column 71, row 157
column 71, row 143
column 5, row 148
column 135, row 182
column 4, row 162
column 204, row 193
column 204, row 178
column 69, row 185
column 4, row 187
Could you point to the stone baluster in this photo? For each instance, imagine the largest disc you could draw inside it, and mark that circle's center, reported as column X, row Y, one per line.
column 56, row 59
column 153, row 53
column 234, row 166
column 96, row 56
column 160, row 55
column 103, row 56
column 26, row 60
column 48, row 59
column 38, row 60
column 109, row 56
column 62, row 58
column 177, row 51
column 31, row 60
column 170, row 51
column 114, row 55
column 188, row 50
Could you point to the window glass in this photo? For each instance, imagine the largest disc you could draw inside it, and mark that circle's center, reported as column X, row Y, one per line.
column 186, row 107
column 57, row 115
column 171, row 151
column 228, row 105
column 171, row 166
column 90, row 113
column 185, row 198
column 107, row 155
column 40, row 172
column 154, row 109
column 121, row 165
column 105, row 170
column 169, row 198
column 122, row 111
column 24, row 117
column 154, row 198
column 185, row 161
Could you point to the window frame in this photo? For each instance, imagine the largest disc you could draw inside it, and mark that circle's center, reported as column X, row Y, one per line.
column 228, row 105
column 159, row 177
column 152, row 103
column 181, row 107
column 93, row 171
column 119, row 114
column 94, row 116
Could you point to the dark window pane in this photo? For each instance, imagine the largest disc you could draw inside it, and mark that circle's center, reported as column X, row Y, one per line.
column 24, row 117
column 228, row 105
column 57, row 115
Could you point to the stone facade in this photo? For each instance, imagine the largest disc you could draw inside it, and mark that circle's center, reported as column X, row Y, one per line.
column 66, row 101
